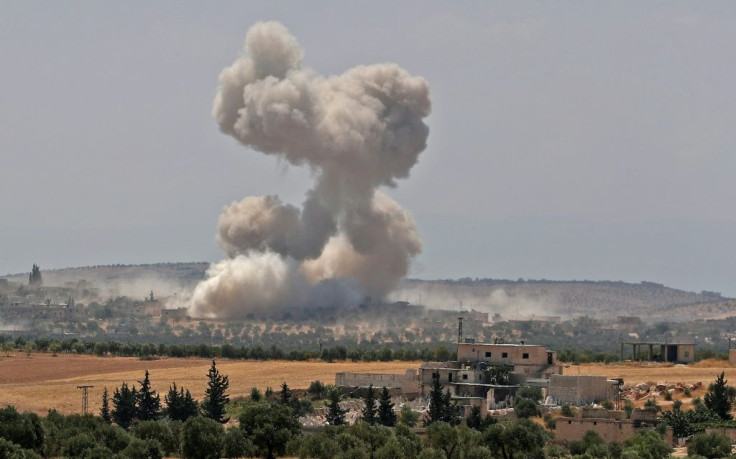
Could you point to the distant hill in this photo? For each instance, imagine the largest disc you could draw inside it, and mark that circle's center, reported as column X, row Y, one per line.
column 132, row 280
column 602, row 299
column 513, row 299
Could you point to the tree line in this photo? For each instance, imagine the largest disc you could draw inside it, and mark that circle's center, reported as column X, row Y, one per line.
column 227, row 351
column 138, row 425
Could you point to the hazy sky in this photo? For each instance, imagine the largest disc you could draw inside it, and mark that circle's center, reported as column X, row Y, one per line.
column 568, row 140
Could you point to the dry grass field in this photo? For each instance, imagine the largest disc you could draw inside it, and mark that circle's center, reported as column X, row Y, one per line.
column 649, row 372
column 42, row 381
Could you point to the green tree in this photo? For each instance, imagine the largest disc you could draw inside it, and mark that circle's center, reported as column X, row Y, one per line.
column 105, row 409
column 527, row 400
column 77, row 444
column 215, row 395
column 269, row 427
column 149, row 402
column 143, row 449
column 158, row 431
column 386, row 414
column 647, row 445
column 709, row 445
column 35, row 278
column 25, row 430
column 180, row 405
column 408, row 417
column 372, row 437
column 522, row 438
column 286, row 395
column 320, row 446
column 436, row 406
column 440, row 406
column 237, row 444
column 525, row 408
column 202, row 438
column 124, row 401
column 443, row 436
column 411, row 444
column 478, row 422
column 255, row 395
column 720, row 397
column 335, row 414
column 369, row 411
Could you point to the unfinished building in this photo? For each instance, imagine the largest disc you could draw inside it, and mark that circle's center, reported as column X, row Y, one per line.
column 488, row 375
column 660, row 351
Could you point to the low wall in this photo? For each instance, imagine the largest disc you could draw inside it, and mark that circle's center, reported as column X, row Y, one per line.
column 390, row 381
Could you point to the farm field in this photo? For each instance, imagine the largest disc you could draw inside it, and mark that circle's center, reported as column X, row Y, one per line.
column 42, row 381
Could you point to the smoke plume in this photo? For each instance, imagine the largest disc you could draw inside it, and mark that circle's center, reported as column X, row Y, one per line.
column 356, row 132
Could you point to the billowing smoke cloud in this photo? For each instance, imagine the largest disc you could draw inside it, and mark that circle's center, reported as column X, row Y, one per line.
column 356, row 132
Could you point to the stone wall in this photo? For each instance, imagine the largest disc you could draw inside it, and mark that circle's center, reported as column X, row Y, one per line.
column 573, row 429
column 391, row 381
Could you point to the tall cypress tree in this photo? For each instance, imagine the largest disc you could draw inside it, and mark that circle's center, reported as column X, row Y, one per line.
column 189, row 406
column 149, row 403
column 720, row 397
column 215, row 395
column 124, row 409
column 180, row 406
column 369, row 412
column 105, row 409
column 35, row 277
column 285, row 394
column 173, row 403
column 436, row 400
column 335, row 414
column 386, row 414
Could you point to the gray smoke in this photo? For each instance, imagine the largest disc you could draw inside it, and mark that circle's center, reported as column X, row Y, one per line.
column 356, row 132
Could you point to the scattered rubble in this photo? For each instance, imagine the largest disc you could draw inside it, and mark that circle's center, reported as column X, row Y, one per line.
column 645, row 390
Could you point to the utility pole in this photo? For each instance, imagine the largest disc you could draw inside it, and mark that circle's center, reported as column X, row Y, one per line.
column 84, row 397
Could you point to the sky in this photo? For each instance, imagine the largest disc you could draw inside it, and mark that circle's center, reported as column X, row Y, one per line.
column 568, row 140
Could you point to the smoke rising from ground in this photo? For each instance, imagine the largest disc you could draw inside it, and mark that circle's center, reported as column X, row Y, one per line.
column 356, row 132
column 509, row 302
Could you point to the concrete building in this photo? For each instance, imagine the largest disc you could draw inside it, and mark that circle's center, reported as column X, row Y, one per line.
column 175, row 314
column 628, row 322
column 659, row 351
column 488, row 375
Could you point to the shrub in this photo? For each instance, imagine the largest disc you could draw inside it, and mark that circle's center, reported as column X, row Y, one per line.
column 567, row 411
column 709, row 445
column 550, row 422
column 24, row 430
column 76, row 445
column 237, row 444
column 158, row 431
column 526, row 408
column 143, row 449
column 202, row 438
column 408, row 417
